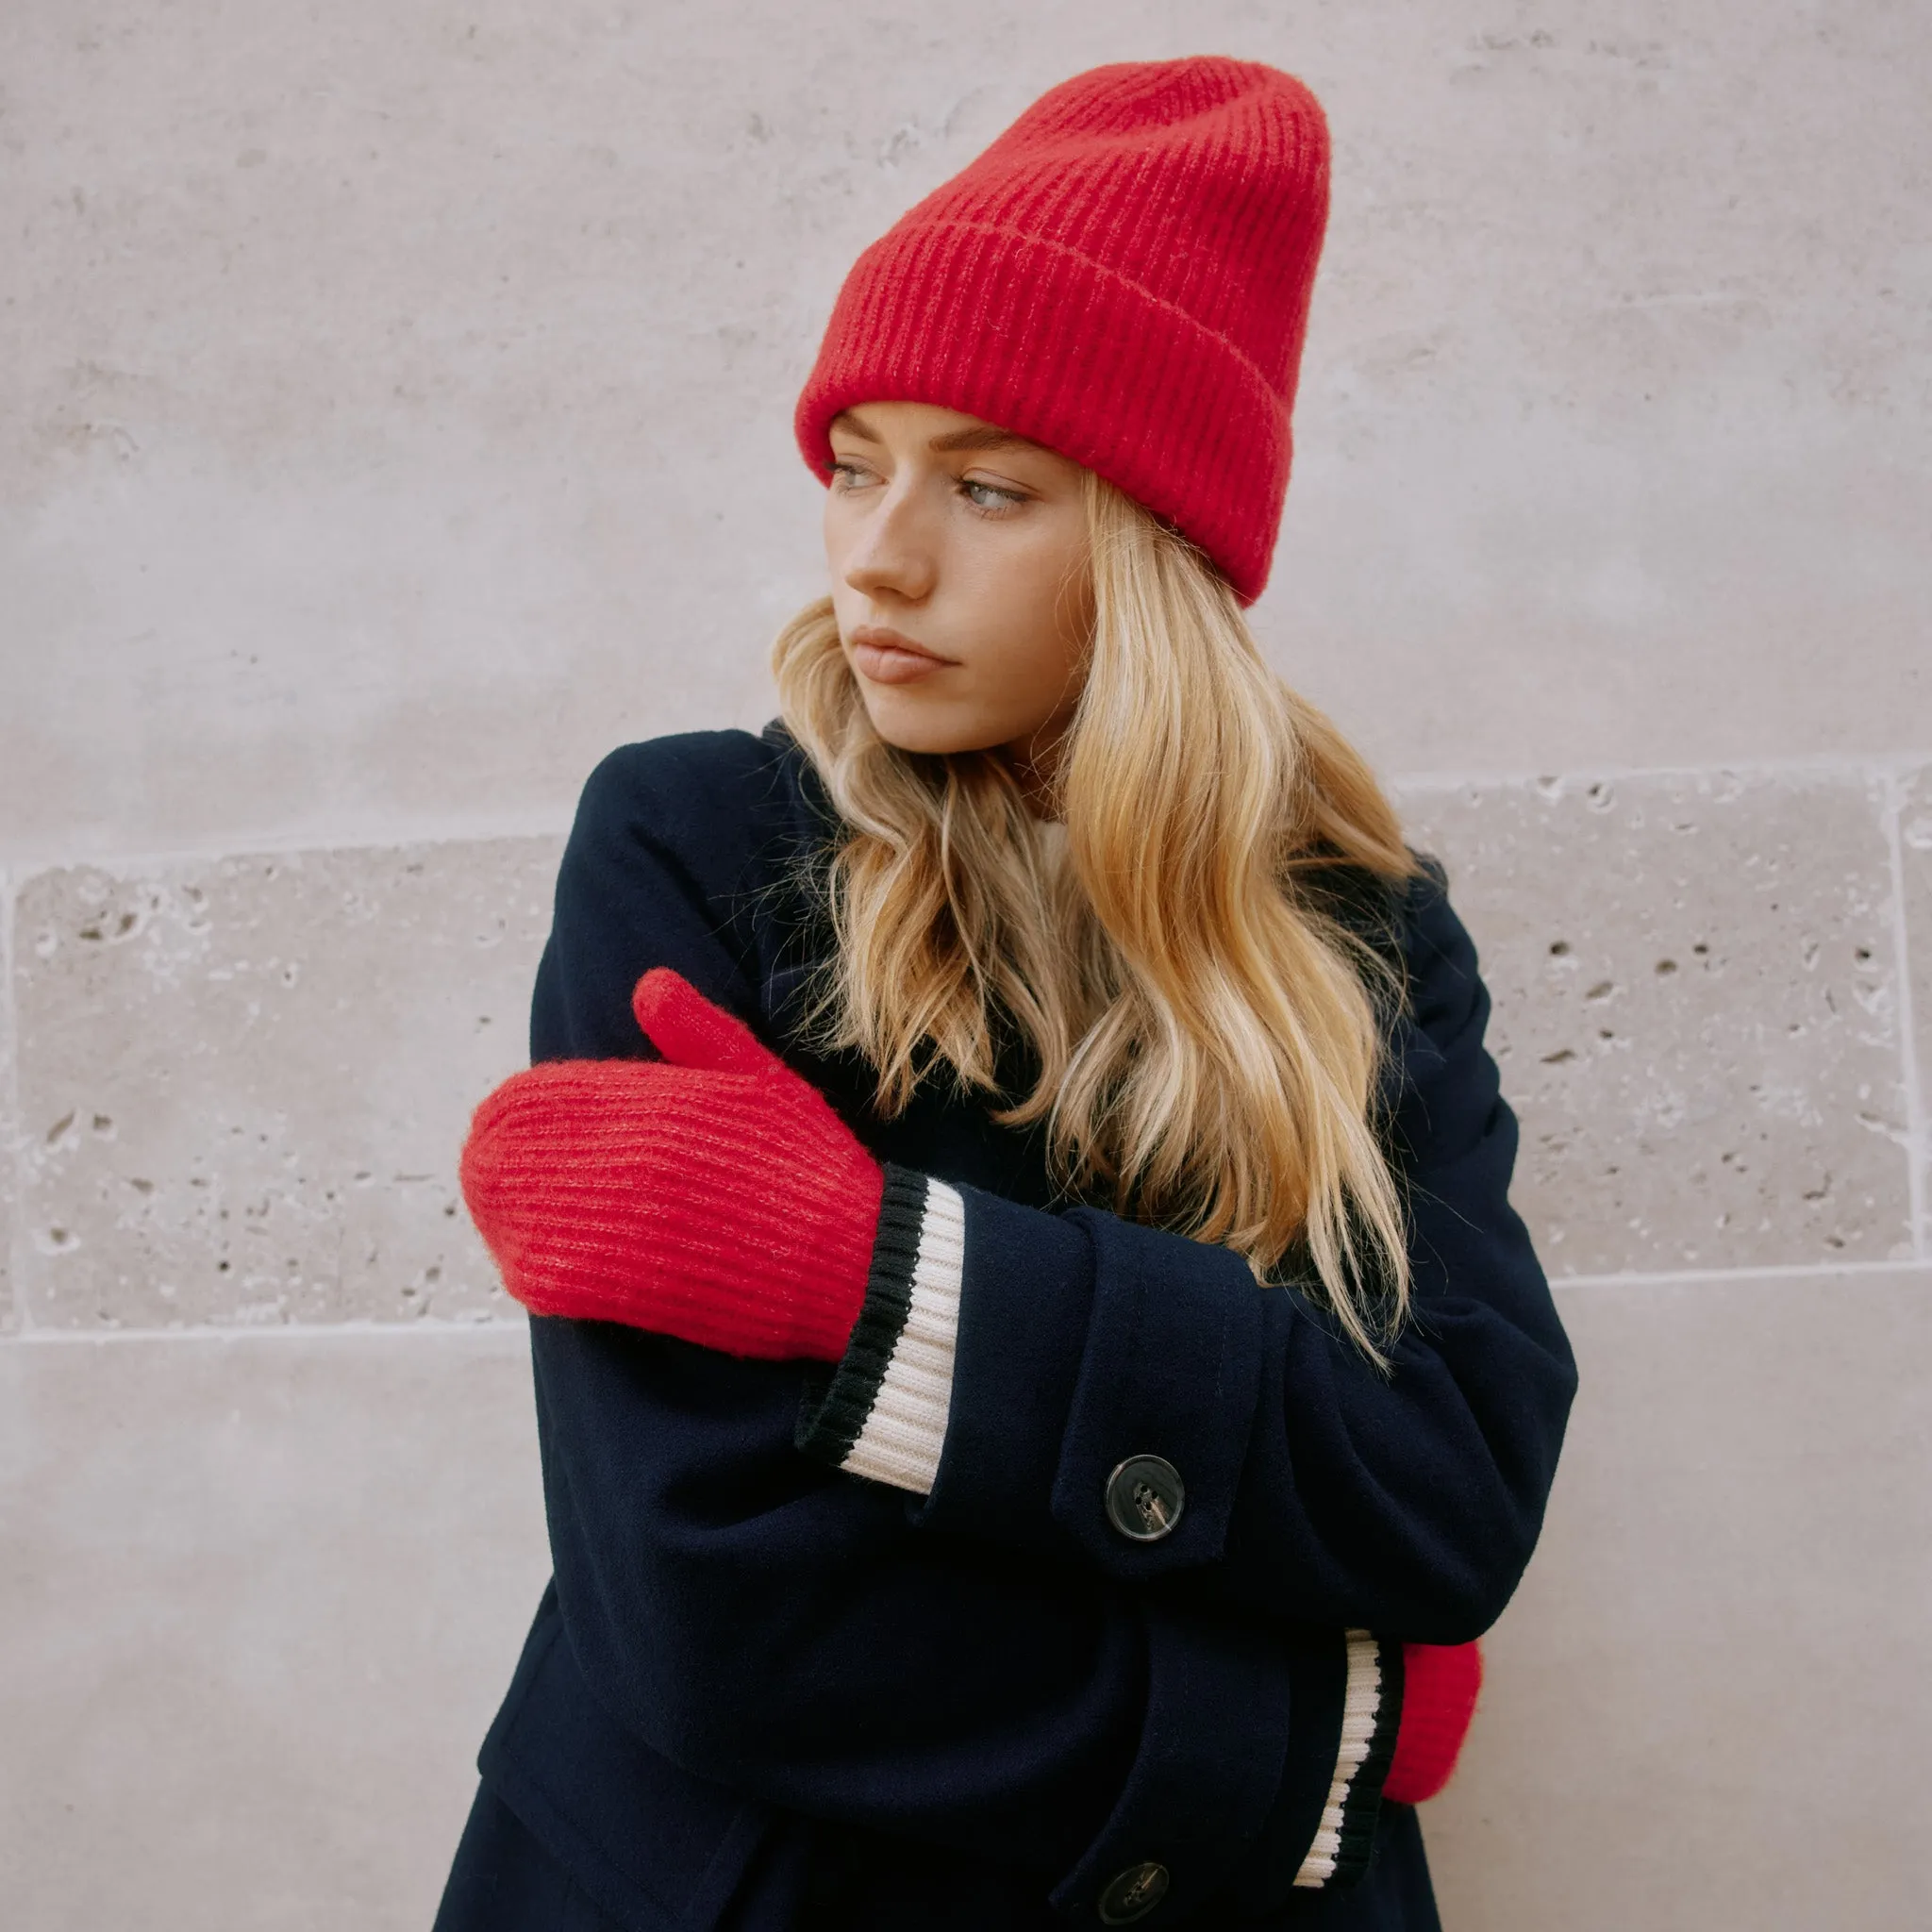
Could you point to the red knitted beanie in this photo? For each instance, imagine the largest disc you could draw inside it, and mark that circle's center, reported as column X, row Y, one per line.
column 1124, row 275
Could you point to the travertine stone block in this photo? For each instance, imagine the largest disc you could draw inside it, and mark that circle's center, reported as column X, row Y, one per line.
column 380, row 378
column 307, row 1563
column 244, row 1081
column 261, row 1595
column 1696, row 1012
column 1722, row 1628
column 10, row 1311
column 1915, row 861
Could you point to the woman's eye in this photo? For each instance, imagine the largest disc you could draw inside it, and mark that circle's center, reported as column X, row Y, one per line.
column 989, row 496
column 850, row 475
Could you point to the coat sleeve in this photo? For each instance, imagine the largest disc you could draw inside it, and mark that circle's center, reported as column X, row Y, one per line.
column 769, row 1625
column 1019, row 1358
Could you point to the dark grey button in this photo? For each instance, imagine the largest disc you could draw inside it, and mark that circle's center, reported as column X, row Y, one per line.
column 1144, row 1498
column 1133, row 1893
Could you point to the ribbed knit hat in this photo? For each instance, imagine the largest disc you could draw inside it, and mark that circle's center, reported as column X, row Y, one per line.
column 1124, row 275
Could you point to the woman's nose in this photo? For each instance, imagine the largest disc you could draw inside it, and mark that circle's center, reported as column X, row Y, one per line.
column 892, row 557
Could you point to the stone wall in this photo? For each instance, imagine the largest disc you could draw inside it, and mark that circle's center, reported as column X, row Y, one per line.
column 396, row 417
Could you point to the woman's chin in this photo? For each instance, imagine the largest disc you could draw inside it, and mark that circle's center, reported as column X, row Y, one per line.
column 906, row 724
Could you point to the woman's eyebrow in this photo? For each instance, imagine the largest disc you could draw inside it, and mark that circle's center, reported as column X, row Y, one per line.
column 982, row 437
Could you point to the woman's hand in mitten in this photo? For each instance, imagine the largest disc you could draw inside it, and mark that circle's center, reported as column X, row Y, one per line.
column 714, row 1194
column 1440, row 1683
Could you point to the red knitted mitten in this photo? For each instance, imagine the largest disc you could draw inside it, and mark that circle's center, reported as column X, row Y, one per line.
column 713, row 1196
column 1439, row 1682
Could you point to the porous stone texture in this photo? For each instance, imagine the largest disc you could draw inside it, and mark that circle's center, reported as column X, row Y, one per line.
column 1914, row 804
column 1707, row 1706
column 261, row 1594
column 1696, row 1012
column 244, row 1082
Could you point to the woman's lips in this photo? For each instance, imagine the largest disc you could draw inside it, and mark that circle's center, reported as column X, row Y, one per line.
column 886, row 657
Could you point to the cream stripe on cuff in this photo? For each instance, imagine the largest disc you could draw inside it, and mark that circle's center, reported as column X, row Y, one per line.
column 1360, row 1710
column 905, row 1429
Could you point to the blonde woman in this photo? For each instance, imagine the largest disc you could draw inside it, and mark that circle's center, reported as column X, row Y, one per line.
column 1040, row 1382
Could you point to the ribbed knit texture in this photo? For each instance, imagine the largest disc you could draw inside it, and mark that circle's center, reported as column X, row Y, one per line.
column 713, row 1196
column 883, row 1411
column 1345, row 1837
column 905, row 1431
column 1440, row 1687
column 1122, row 276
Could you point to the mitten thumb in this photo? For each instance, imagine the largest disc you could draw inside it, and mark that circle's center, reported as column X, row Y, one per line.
column 689, row 1031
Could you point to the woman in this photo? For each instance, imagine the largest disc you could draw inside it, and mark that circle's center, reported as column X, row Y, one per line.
column 1048, row 1384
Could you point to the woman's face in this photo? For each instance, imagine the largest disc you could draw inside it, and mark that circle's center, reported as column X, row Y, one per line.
column 959, row 563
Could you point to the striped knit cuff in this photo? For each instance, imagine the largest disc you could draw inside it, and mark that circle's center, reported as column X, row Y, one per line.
column 880, row 1411
column 1371, row 1716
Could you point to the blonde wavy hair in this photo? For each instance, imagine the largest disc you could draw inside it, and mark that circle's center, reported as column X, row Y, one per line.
column 1205, row 1030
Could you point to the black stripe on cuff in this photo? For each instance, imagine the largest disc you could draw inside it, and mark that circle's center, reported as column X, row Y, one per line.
column 838, row 1395
column 1364, row 1799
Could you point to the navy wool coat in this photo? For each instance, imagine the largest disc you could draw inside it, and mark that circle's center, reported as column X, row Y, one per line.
column 765, row 1693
